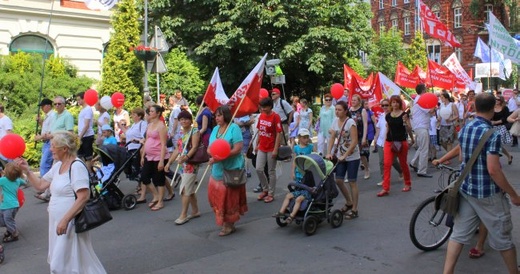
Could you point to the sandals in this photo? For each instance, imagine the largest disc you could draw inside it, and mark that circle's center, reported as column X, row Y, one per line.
column 169, row 198
column 351, row 215
column 268, row 199
column 225, row 232
column 152, row 204
column 289, row 220
column 346, row 208
column 383, row 193
column 406, row 189
column 10, row 238
column 262, row 196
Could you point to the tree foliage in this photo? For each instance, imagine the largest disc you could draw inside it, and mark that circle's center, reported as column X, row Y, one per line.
column 310, row 36
column 122, row 71
column 416, row 53
column 182, row 74
column 20, row 80
column 387, row 50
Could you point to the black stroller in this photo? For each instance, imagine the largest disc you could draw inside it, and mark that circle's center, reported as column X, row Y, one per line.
column 317, row 179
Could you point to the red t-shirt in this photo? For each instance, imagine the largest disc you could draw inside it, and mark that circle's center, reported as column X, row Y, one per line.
column 268, row 126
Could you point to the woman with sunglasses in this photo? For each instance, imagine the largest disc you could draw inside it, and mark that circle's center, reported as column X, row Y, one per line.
column 499, row 123
column 380, row 136
column 325, row 122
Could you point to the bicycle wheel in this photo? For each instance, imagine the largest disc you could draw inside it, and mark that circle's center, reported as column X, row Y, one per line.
column 428, row 228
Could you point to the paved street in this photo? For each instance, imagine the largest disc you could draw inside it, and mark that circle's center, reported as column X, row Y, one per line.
column 142, row 241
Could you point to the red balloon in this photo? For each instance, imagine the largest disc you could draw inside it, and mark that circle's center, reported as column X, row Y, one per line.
column 264, row 93
column 220, row 149
column 336, row 90
column 12, row 146
column 428, row 100
column 117, row 99
column 91, row 97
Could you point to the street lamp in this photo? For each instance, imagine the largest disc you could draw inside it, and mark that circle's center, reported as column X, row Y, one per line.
column 146, row 90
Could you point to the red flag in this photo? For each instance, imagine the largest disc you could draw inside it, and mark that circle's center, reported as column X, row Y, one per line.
column 369, row 89
column 471, row 73
column 439, row 76
column 348, row 75
column 215, row 95
column 404, row 78
column 246, row 98
column 435, row 28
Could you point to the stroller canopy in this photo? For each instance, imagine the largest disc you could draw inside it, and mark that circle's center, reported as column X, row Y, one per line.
column 113, row 154
column 319, row 167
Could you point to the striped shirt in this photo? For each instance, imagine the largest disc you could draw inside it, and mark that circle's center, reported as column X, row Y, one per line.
column 478, row 183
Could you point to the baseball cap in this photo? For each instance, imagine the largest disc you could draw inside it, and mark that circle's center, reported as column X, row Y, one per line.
column 303, row 132
column 276, row 90
column 45, row 102
column 106, row 127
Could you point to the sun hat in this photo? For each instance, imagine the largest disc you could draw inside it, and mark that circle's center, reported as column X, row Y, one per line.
column 303, row 132
column 106, row 127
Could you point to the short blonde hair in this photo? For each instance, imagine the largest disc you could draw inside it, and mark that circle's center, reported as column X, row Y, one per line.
column 66, row 139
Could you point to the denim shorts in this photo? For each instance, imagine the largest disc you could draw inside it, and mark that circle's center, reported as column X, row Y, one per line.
column 350, row 168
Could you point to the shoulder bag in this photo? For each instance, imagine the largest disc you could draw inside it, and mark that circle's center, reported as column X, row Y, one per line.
column 250, row 154
column 94, row 213
column 201, row 154
column 334, row 157
column 235, row 177
column 515, row 129
column 284, row 151
column 448, row 199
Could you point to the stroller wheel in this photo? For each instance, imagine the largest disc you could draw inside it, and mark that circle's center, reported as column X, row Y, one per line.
column 129, row 202
column 310, row 225
column 336, row 218
column 280, row 222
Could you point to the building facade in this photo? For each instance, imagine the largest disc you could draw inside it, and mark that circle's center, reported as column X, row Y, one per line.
column 75, row 33
column 464, row 19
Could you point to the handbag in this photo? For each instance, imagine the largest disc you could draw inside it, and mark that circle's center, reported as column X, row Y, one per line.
column 396, row 146
column 201, row 154
column 515, row 129
column 334, row 157
column 235, row 177
column 284, row 151
column 448, row 199
column 94, row 213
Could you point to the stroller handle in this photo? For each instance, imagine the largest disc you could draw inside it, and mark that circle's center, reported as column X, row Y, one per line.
column 293, row 185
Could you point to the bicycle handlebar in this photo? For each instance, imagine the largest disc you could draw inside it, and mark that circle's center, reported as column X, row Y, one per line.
column 443, row 166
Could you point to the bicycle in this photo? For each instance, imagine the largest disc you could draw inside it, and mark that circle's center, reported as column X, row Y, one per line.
column 430, row 228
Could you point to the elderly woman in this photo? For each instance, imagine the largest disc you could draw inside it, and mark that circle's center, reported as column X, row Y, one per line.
column 227, row 203
column 154, row 157
column 69, row 185
column 189, row 171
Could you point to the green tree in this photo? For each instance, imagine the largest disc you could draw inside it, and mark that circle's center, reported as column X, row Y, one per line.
column 387, row 50
column 122, row 71
column 20, row 80
column 182, row 74
column 310, row 36
column 416, row 53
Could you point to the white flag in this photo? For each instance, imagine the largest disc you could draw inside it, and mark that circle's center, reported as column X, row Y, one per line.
column 389, row 88
column 500, row 39
column 100, row 4
column 453, row 64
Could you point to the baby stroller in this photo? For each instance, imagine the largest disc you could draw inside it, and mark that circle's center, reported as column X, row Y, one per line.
column 318, row 181
column 114, row 161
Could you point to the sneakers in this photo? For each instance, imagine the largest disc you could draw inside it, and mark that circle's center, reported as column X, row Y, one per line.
column 248, row 174
column 262, row 196
column 258, row 189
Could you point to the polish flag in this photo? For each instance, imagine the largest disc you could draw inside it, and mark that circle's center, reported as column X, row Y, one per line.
column 215, row 95
column 246, row 98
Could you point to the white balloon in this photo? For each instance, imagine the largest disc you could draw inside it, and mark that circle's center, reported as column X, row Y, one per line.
column 106, row 102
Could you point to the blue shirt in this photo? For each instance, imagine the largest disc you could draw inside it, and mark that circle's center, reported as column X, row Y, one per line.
column 298, row 150
column 110, row 141
column 478, row 183
column 10, row 192
column 233, row 135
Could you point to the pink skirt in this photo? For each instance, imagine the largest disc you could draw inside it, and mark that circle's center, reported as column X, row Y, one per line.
column 227, row 203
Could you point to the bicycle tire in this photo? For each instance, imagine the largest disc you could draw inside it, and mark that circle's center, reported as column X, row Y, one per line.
column 428, row 229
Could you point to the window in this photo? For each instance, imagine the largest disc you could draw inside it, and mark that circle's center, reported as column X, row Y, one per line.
column 395, row 21
column 458, row 53
column 406, row 1
column 436, row 9
column 457, row 18
column 381, row 4
column 32, row 44
column 381, row 23
column 407, row 25
column 489, row 8
column 434, row 51
column 394, row 3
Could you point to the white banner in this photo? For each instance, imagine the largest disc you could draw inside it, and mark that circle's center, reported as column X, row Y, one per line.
column 483, row 70
column 100, row 4
column 453, row 64
column 388, row 86
column 501, row 40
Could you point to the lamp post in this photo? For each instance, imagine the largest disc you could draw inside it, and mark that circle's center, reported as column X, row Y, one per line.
column 146, row 90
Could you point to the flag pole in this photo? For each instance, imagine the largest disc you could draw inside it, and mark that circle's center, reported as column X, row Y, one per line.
column 185, row 145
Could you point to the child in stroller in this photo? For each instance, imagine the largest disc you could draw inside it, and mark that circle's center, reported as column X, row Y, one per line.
column 317, row 181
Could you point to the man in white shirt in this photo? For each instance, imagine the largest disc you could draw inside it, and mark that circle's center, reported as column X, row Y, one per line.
column 512, row 104
column 85, row 131
column 45, row 135
column 284, row 110
column 6, row 125
column 421, row 126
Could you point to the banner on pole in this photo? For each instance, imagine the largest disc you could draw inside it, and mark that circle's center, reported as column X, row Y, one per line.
column 501, row 40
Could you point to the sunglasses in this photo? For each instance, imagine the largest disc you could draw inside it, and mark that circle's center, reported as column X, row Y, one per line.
column 58, row 104
column 384, row 105
column 328, row 100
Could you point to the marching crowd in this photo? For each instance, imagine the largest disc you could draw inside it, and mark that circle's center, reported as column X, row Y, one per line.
column 345, row 129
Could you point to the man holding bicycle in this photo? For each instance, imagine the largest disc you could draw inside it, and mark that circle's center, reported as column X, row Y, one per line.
column 483, row 193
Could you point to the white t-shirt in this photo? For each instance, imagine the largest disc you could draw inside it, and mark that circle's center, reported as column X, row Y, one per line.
column 433, row 126
column 5, row 125
column 512, row 103
column 345, row 139
column 101, row 121
column 84, row 114
column 284, row 111
column 46, row 125
column 174, row 114
column 381, row 125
